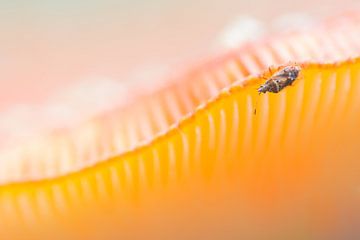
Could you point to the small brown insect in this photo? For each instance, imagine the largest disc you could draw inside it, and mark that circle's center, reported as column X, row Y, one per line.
column 280, row 79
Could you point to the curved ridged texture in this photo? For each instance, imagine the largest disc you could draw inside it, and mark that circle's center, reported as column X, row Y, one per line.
column 193, row 156
column 137, row 124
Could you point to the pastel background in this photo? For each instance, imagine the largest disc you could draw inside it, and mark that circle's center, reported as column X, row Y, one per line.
column 101, row 48
column 46, row 45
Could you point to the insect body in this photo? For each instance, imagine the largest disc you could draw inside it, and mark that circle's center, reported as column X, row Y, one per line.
column 280, row 79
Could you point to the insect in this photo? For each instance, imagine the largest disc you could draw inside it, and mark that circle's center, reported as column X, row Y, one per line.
column 280, row 79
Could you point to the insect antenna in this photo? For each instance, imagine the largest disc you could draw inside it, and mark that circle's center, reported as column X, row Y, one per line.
column 256, row 103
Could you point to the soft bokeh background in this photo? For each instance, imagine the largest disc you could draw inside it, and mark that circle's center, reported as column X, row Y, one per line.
column 47, row 47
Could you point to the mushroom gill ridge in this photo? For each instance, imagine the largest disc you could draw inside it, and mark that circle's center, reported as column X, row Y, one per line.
column 201, row 132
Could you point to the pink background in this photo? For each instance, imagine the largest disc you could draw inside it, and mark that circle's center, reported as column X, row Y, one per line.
column 45, row 45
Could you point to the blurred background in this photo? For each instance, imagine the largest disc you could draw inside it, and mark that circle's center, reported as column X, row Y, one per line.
column 66, row 60
column 47, row 46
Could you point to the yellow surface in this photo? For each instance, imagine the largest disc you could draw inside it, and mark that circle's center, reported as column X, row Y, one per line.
column 223, row 169
column 202, row 165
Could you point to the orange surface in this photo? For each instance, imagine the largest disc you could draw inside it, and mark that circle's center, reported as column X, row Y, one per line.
column 192, row 161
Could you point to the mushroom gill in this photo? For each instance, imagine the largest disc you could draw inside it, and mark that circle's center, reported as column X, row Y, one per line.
column 191, row 160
